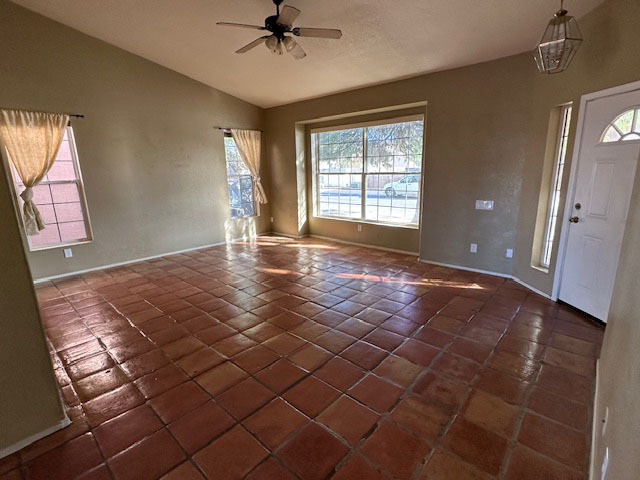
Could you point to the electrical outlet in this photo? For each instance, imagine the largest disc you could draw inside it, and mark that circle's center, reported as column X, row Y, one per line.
column 359, row 227
column 473, row 248
column 484, row 204
column 509, row 253
column 271, row 219
column 605, row 464
column 67, row 253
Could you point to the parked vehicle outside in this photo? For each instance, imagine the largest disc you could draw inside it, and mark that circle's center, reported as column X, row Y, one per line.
column 408, row 186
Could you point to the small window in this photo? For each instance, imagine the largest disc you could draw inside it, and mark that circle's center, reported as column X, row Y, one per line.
column 556, row 186
column 239, row 180
column 60, row 200
column 625, row 127
column 361, row 173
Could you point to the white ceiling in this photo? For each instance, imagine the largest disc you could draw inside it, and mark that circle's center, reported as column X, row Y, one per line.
column 382, row 40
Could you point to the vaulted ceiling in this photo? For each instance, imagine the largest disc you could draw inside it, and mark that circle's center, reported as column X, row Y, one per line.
column 382, row 40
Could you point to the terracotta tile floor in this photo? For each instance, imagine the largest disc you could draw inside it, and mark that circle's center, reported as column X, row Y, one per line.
column 284, row 359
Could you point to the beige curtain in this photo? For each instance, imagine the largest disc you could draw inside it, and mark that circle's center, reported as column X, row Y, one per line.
column 32, row 140
column 249, row 143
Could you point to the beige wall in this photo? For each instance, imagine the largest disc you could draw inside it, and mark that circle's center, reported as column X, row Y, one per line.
column 29, row 399
column 609, row 56
column 476, row 122
column 619, row 368
column 153, row 165
column 486, row 133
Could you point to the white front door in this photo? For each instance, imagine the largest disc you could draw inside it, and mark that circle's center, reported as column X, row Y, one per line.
column 608, row 148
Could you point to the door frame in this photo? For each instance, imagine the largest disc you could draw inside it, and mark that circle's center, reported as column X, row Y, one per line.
column 571, row 190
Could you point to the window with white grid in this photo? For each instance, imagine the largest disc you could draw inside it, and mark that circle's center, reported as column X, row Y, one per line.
column 556, row 186
column 60, row 200
column 371, row 173
column 239, row 181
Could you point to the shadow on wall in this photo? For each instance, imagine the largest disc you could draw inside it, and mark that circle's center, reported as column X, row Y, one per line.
column 240, row 229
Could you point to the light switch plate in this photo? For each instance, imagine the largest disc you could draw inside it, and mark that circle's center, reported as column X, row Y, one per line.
column 509, row 253
column 473, row 248
column 67, row 253
column 359, row 227
column 484, row 204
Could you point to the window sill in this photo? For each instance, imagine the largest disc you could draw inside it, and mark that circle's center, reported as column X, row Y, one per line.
column 540, row 268
column 369, row 222
column 58, row 245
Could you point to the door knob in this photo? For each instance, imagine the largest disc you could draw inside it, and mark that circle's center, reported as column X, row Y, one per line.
column 574, row 220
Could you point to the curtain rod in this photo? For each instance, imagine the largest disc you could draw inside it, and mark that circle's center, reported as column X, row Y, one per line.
column 75, row 115
column 230, row 128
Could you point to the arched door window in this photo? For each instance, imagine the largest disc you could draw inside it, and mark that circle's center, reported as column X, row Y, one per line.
column 626, row 126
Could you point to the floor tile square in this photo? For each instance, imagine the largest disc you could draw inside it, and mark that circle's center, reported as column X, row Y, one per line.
column 349, row 419
column 364, row 355
column 375, row 393
column 197, row 428
column 178, row 401
column 313, row 453
column 281, row 375
column 149, row 459
column 231, row 456
column 340, row 373
column 474, row 444
column 274, row 422
column 220, row 378
column 395, row 450
column 311, row 396
column 244, row 398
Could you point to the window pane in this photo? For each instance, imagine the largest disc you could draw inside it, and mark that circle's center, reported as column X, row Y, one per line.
column 72, row 231
column 64, row 193
column 392, row 151
column 239, row 182
column 60, row 204
column 554, row 200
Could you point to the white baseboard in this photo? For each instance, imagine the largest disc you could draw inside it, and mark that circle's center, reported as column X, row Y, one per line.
column 595, row 424
column 489, row 272
column 34, row 438
column 366, row 245
column 288, row 235
column 468, row 269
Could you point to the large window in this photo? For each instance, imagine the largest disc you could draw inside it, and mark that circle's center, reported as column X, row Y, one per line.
column 556, row 186
column 60, row 200
column 371, row 173
column 240, row 182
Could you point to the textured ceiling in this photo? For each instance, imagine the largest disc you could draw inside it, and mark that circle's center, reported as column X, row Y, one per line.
column 382, row 40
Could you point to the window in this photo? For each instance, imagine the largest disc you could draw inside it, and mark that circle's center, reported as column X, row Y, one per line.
column 625, row 127
column 556, row 186
column 371, row 173
column 60, row 199
column 239, row 180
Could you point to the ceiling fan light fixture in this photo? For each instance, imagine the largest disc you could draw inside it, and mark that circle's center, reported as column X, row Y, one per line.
column 289, row 43
column 558, row 44
column 272, row 43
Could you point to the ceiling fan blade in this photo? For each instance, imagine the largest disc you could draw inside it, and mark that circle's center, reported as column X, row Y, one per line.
column 255, row 43
column 240, row 25
column 317, row 32
column 288, row 15
column 294, row 48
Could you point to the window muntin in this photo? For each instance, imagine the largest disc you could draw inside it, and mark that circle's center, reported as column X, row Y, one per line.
column 239, row 181
column 625, row 127
column 556, row 186
column 60, row 200
column 381, row 163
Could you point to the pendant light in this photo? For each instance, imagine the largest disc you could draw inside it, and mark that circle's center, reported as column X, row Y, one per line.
column 559, row 43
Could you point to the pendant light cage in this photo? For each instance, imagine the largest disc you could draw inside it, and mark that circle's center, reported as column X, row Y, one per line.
column 559, row 44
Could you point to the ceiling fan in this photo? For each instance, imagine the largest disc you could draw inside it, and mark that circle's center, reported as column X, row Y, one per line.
column 279, row 25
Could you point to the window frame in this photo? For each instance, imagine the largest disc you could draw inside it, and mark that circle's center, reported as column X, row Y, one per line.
column 79, row 182
column 555, row 191
column 256, row 205
column 315, row 155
